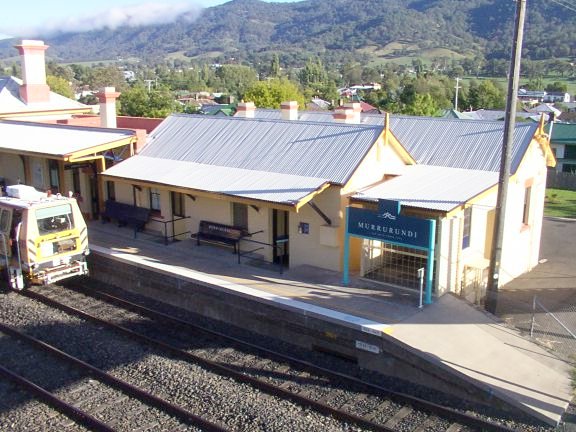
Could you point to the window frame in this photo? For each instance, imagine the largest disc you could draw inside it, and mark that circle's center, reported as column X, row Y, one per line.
column 177, row 203
column 526, row 207
column 467, row 228
column 155, row 201
column 240, row 215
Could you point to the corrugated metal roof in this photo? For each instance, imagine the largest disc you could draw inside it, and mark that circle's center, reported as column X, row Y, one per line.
column 563, row 133
column 431, row 187
column 10, row 101
column 470, row 144
column 55, row 140
column 329, row 151
column 457, row 143
column 259, row 185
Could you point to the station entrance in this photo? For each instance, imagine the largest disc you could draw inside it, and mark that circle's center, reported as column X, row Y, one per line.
column 392, row 264
column 397, row 249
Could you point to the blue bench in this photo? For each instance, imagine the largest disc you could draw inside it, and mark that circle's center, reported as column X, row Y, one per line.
column 218, row 233
column 126, row 214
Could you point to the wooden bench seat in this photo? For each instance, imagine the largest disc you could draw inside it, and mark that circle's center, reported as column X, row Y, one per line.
column 126, row 214
column 218, row 233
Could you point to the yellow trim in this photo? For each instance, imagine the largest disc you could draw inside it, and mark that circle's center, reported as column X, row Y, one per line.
column 396, row 145
column 84, row 154
column 77, row 155
column 311, row 195
column 9, row 115
column 474, row 200
column 543, row 139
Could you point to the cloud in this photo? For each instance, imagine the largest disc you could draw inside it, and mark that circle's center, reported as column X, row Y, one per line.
column 113, row 18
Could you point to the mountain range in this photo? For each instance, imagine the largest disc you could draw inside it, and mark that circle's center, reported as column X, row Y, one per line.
column 334, row 30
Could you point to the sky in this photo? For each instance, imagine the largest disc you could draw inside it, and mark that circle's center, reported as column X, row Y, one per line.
column 31, row 18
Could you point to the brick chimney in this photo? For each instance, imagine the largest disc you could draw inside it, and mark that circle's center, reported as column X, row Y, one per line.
column 345, row 115
column 357, row 108
column 289, row 110
column 107, row 99
column 34, row 88
column 245, row 110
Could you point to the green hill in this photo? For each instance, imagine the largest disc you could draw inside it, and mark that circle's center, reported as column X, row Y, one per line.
column 336, row 30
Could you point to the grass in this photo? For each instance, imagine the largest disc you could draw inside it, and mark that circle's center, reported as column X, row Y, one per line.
column 560, row 203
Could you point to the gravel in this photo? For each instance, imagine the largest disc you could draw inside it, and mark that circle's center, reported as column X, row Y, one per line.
column 237, row 406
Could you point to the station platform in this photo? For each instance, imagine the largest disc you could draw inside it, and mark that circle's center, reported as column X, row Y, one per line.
column 450, row 333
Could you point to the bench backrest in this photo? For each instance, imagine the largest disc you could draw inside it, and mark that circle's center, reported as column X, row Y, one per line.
column 118, row 210
column 221, row 230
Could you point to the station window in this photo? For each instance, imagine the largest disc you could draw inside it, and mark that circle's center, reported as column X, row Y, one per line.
column 54, row 175
column 155, row 200
column 4, row 220
column 76, row 181
column 177, row 204
column 467, row 227
column 111, row 190
column 240, row 215
column 526, row 210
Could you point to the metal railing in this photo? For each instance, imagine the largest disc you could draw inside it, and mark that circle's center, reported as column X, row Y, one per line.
column 262, row 246
column 165, row 230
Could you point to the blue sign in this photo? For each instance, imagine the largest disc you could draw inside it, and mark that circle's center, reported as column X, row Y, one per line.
column 388, row 225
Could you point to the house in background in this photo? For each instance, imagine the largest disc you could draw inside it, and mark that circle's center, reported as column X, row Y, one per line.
column 563, row 143
column 30, row 98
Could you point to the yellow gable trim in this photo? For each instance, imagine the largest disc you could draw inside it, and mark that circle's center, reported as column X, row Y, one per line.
column 100, row 148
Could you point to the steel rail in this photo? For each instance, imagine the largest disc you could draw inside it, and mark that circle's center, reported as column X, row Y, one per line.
column 60, row 405
column 221, row 369
column 430, row 407
column 422, row 404
column 124, row 386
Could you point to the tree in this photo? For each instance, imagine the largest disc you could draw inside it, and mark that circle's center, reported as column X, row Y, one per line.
column 487, row 95
column 60, row 85
column 275, row 66
column 271, row 93
column 313, row 73
column 236, row 79
column 138, row 102
column 108, row 76
column 422, row 105
column 557, row 86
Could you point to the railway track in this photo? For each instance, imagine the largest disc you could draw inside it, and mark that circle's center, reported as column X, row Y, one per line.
column 85, row 393
column 345, row 398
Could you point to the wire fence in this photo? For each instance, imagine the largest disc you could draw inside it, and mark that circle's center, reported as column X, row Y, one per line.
column 555, row 330
column 551, row 324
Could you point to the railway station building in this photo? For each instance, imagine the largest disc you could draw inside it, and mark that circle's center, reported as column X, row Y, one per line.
column 287, row 178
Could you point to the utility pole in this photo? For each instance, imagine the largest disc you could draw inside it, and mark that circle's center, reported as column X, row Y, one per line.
column 509, row 124
column 149, row 83
column 456, row 95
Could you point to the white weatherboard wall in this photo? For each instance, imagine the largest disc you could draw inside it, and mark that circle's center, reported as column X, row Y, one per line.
column 447, row 248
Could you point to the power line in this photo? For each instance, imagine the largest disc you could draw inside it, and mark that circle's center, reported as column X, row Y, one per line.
column 566, row 4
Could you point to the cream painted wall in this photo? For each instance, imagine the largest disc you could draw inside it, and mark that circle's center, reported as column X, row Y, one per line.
column 307, row 248
column 521, row 244
column 382, row 159
column 11, row 168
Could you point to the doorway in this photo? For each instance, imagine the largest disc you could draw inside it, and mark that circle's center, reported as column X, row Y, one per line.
column 280, row 254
